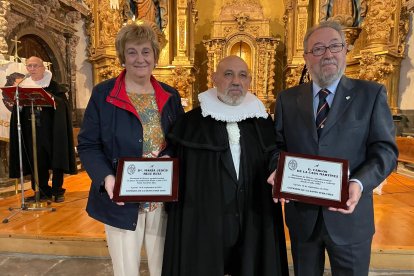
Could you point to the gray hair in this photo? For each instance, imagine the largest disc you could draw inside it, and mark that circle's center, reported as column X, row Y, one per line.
column 137, row 33
column 324, row 24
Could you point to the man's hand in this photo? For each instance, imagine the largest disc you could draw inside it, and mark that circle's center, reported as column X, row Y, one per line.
column 271, row 178
column 271, row 181
column 109, row 187
column 354, row 196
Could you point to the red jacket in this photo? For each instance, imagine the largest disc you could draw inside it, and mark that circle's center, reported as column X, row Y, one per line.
column 112, row 129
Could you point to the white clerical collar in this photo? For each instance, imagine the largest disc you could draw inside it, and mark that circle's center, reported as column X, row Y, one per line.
column 44, row 82
column 251, row 107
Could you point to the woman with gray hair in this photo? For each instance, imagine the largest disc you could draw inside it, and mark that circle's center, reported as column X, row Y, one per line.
column 129, row 116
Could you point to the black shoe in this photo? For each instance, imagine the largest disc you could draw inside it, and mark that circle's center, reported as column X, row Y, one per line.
column 59, row 198
column 30, row 199
column 33, row 198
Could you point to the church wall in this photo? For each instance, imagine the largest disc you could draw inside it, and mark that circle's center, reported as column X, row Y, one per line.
column 208, row 11
column 406, row 89
column 84, row 76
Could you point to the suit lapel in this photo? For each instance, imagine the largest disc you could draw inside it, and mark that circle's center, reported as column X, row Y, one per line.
column 344, row 96
column 305, row 107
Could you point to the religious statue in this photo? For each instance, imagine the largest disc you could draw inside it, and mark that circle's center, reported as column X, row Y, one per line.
column 147, row 10
column 346, row 12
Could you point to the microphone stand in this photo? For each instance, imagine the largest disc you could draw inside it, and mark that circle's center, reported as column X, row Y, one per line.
column 36, row 205
column 19, row 137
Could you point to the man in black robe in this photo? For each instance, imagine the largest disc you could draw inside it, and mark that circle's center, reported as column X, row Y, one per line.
column 54, row 136
column 225, row 221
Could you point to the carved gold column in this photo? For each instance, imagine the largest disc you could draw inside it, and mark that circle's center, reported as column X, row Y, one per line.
column 182, row 55
column 379, row 23
column 265, row 69
column 380, row 58
column 165, row 54
column 103, row 27
column 4, row 10
column 182, row 71
column 296, row 21
column 210, row 61
column 271, row 64
column 215, row 52
column 262, row 70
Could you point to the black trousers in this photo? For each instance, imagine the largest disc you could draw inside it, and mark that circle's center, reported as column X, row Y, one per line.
column 346, row 260
column 57, row 182
column 232, row 260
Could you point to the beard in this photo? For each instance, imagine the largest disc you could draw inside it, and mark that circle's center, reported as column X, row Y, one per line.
column 324, row 79
column 231, row 99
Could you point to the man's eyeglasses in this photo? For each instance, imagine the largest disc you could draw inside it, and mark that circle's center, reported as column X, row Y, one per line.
column 34, row 66
column 320, row 50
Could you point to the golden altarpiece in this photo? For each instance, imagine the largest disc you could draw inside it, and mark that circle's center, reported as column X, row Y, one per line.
column 239, row 29
column 375, row 29
column 174, row 21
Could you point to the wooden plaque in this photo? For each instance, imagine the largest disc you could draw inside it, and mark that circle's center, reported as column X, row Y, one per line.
column 312, row 179
column 146, row 180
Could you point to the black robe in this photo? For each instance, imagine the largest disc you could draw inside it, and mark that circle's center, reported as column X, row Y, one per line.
column 196, row 224
column 54, row 136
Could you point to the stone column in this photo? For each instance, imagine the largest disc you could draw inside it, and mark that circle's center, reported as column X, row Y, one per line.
column 4, row 10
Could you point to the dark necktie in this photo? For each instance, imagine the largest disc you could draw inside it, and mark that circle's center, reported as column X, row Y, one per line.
column 322, row 111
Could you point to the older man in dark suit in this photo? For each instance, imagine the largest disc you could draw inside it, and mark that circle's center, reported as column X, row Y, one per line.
column 335, row 116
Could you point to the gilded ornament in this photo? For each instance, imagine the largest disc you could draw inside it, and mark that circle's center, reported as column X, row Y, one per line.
column 379, row 21
column 181, row 34
column 109, row 71
column 183, row 81
column 241, row 19
column 351, row 34
column 41, row 14
column 293, row 75
column 374, row 68
column 109, row 24
column 4, row 11
column 403, row 29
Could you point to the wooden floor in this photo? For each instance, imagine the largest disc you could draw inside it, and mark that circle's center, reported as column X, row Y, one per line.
column 69, row 231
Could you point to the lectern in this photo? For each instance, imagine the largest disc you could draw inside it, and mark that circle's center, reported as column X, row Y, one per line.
column 31, row 97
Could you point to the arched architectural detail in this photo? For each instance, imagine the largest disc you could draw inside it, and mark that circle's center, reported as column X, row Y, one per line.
column 251, row 42
column 237, row 37
column 55, row 48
